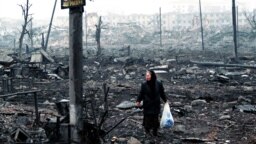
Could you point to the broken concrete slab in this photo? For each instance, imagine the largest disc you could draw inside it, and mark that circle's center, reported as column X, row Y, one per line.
column 126, row 105
column 161, row 67
column 36, row 58
column 5, row 59
column 246, row 108
column 224, row 117
column 133, row 140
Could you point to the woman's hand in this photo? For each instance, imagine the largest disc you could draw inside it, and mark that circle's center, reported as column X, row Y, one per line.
column 138, row 104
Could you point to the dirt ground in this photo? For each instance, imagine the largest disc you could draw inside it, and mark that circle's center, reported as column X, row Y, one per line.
column 204, row 100
column 215, row 120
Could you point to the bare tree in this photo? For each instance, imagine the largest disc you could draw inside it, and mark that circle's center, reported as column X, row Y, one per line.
column 251, row 18
column 97, row 36
column 25, row 13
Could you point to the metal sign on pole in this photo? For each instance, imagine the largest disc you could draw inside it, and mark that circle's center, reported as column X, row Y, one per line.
column 72, row 3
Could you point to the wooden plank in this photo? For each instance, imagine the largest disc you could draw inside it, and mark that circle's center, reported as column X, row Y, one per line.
column 222, row 64
column 19, row 93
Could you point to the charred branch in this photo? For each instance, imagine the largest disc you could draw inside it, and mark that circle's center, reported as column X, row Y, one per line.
column 251, row 19
column 25, row 12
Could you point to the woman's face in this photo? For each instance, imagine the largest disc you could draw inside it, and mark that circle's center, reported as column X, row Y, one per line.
column 148, row 76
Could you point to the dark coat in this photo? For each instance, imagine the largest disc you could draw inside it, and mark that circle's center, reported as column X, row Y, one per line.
column 151, row 98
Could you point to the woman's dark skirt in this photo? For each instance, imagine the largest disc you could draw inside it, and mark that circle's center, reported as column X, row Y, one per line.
column 151, row 122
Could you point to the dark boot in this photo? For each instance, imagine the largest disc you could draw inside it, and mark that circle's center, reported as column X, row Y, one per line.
column 147, row 130
column 155, row 132
column 147, row 133
column 148, row 137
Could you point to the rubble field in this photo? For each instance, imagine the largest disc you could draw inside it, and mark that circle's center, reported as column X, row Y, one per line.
column 210, row 103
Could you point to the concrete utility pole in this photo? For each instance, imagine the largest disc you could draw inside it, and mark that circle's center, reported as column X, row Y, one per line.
column 202, row 29
column 14, row 44
column 86, row 29
column 50, row 26
column 234, row 27
column 160, row 23
column 75, row 71
column 237, row 25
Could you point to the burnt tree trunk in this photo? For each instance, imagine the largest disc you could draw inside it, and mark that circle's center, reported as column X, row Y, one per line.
column 25, row 12
column 97, row 37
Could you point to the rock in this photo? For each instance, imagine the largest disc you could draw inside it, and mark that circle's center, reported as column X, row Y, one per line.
column 191, row 70
column 222, row 78
column 124, row 72
column 48, row 103
column 188, row 108
column 181, row 71
column 133, row 73
column 162, row 62
column 248, row 83
column 180, row 128
column 247, row 88
column 54, row 99
column 97, row 63
column 133, row 140
column 127, row 77
column 176, row 104
column 1, row 101
column 212, row 72
column 54, row 76
column 198, row 102
column 224, row 117
column 113, row 79
column 157, row 59
column 7, row 104
column 23, row 120
column 85, row 68
column 172, row 70
column 121, row 139
column 121, row 59
column 242, row 99
column 244, row 76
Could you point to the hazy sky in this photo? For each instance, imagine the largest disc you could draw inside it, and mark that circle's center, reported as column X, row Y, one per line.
column 43, row 8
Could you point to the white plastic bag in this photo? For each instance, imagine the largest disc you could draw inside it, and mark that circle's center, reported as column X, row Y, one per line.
column 166, row 119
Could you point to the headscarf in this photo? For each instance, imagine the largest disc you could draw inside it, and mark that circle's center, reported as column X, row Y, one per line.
column 152, row 81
